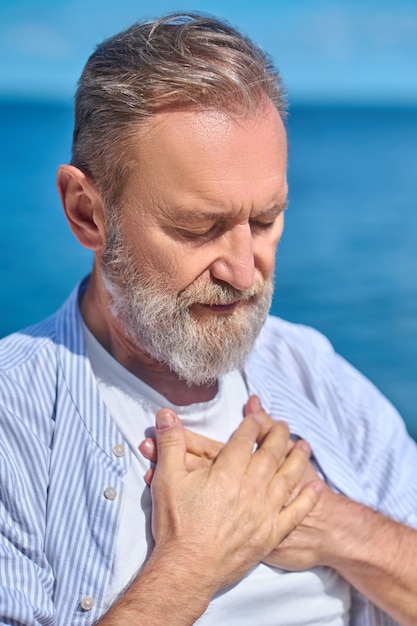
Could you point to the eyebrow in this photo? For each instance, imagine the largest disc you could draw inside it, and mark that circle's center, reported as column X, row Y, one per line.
column 195, row 216
column 276, row 209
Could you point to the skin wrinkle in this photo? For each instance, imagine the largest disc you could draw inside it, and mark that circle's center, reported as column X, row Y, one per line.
column 189, row 158
column 156, row 201
column 170, row 182
column 193, row 217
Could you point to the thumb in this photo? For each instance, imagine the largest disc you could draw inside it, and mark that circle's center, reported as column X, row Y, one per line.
column 170, row 442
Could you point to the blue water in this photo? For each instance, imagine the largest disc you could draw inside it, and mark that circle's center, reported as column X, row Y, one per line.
column 347, row 263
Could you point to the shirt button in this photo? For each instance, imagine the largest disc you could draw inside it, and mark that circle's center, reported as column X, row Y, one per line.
column 87, row 603
column 110, row 493
column 119, row 450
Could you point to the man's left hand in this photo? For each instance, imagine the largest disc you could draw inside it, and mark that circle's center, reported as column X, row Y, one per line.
column 374, row 553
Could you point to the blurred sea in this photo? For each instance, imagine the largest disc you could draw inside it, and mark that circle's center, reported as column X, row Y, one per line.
column 347, row 263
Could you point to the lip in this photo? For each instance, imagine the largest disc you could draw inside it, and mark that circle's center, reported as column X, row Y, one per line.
column 221, row 308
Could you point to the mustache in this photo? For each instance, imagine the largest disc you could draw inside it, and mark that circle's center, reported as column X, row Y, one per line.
column 218, row 294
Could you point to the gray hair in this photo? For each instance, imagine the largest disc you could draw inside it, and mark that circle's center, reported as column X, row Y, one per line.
column 180, row 61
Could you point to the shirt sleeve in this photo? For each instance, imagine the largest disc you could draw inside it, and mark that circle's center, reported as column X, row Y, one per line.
column 26, row 577
column 383, row 453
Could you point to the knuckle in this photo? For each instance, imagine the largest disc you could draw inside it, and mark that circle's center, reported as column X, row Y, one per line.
column 214, row 449
column 295, row 517
column 271, row 455
column 251, row 423
column 168, row 439
column 245, row 439
column 282, row 426
column 287, row 483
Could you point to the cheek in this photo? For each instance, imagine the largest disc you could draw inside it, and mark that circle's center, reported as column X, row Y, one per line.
column 265, row 259
column 266, row 250
column 157, row 255
column 177, row 267
column 190, row 266
column 153, row 256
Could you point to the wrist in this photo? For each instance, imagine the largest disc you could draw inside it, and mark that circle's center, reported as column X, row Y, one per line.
column 336, row 518
column 351, row 532
column 165, row 591
column 181, row 584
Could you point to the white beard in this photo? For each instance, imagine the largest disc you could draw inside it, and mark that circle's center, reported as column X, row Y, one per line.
column 160, row 322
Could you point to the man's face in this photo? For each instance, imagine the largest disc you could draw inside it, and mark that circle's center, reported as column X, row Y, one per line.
column 189, row 261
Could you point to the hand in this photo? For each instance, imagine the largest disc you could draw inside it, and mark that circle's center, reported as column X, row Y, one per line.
column 201, row 450
column 307, row 545
column 220, row 519
column 304, row 547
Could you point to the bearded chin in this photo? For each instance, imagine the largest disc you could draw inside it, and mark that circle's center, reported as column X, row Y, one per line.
column 198, row 350
column 161, row 324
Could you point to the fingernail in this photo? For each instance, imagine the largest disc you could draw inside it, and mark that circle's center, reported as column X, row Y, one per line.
column 164, row 420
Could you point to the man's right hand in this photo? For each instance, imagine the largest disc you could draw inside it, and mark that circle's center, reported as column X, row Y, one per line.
column 215, row 515
column 222, row 519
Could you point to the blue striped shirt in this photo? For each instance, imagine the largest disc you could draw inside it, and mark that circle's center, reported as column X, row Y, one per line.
column 58, row 517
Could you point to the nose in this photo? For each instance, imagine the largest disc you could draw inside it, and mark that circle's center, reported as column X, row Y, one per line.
column 235, row 260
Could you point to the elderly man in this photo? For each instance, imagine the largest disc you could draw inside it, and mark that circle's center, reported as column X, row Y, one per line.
column 178, row 185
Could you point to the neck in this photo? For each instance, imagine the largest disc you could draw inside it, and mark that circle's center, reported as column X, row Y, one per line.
column 167, row 383
column 95, row 309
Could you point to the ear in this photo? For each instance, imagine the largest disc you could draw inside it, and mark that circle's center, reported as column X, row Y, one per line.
column 83, row 206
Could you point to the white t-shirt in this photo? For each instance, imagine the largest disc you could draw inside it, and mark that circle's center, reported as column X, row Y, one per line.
column 266, row 596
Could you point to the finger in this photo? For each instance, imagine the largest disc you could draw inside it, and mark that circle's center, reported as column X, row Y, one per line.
column 149, row 476
column 201, row 446
column 148, row 449
column 204, row 450
column 253, row 405
column 237, row 452
column 290, row 517
column 286, row 480
column 271, row 454
column 309, row 475
column 197, row 445
column 170, row 441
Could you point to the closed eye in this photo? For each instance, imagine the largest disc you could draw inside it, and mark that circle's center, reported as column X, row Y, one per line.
column 262, row 225
column 200, row 235
column 267, row 220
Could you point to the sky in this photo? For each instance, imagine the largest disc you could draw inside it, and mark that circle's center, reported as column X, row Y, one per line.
column 327, row 50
